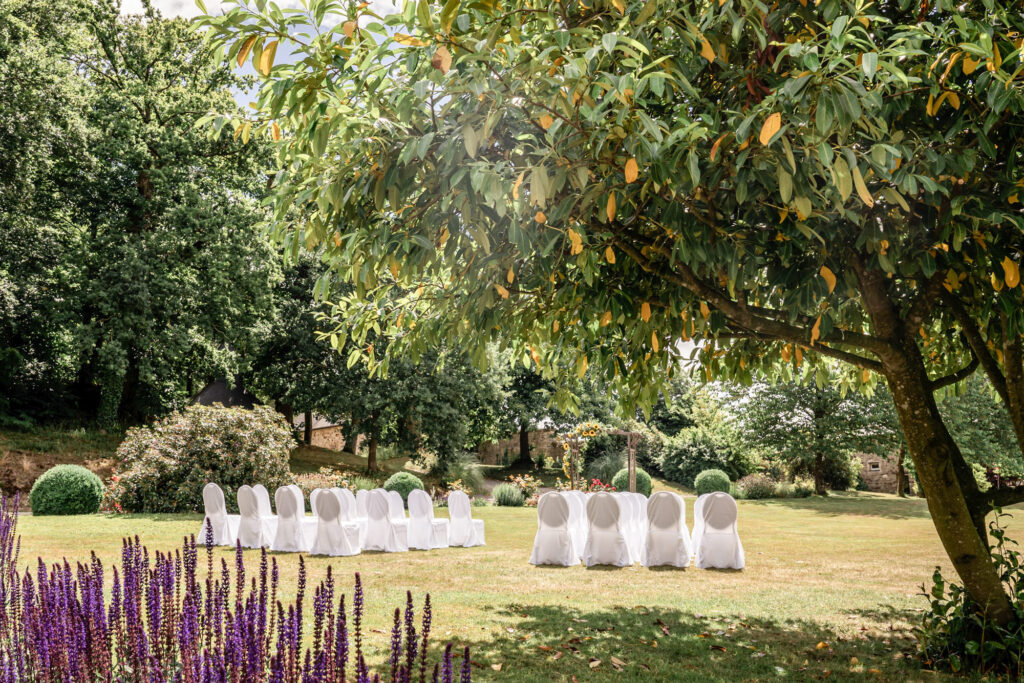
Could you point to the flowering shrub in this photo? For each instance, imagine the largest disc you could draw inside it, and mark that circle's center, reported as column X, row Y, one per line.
column 572, row 459
column 756, row 486
column 165, row 467
column 597, row 485
column 327, row 477
column 532, row 501
column 592, row 486
column 526, row 483
column 163, row 621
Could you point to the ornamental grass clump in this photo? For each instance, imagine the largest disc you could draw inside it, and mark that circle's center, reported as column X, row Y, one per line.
column 168, row 620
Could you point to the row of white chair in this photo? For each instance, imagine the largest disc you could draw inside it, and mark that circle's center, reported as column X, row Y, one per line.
column 620, row 529
column 341, row 524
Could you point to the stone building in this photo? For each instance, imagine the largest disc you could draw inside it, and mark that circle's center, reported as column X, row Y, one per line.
column 880, row 474
column 506, row 451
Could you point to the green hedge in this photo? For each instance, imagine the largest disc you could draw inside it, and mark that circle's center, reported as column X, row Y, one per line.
column 508, row 495
column 66, row 490
column 403, row 482
column 643, row 481
column 710, row 481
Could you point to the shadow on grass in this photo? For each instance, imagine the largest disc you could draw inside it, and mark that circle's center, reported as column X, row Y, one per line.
column 654, row 644
column 840, row 505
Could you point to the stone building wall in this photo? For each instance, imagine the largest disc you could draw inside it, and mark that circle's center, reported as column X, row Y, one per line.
column 879, row 474
column 330, row 437
column 505, row 451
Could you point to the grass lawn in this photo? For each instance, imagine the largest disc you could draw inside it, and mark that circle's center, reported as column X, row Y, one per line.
column 828, row 590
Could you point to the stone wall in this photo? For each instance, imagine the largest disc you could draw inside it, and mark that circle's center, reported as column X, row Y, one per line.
column 879, row 474
column 506, row 451
column 330, row 437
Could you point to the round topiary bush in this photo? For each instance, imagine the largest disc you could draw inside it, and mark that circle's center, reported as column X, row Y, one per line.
column 643, row 481
column 756, row 487
column 404, row 483
column 66, row 490
column 164, row 467
column 710, row 481
column 508, row 495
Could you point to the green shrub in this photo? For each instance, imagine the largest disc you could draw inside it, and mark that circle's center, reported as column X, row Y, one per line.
column 710, row 481
column 643, row 481
column 508, row 495
column 164, row 467
column 756, row 487
column 695, row 450
column 605, row 466
column 465, row 468
column 803, row 488
column 66, row 490
column 403, row 482
column 362, row 483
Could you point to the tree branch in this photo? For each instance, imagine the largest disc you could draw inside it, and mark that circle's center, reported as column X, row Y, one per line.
column 977, row 343
column 925, row 301
column 961, row 374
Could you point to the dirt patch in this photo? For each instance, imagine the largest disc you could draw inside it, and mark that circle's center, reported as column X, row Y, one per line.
column 20, row 469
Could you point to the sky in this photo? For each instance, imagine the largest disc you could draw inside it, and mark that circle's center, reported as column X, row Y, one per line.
column 188, row 9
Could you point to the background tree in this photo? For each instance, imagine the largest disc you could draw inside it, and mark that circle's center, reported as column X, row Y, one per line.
column 590, row 184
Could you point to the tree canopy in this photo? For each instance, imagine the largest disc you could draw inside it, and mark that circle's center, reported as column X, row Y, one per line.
column 590, row 184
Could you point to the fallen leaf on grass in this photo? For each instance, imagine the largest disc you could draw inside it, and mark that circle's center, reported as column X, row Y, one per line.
column 558, row 655
column 719, row 648
column 546, row 648
column 594, row 663
column 663, row 626
column 496, row 667
column 617, row 663
column 821, row 646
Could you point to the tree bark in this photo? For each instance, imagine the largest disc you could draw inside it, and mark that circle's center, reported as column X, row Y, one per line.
column 288, row 412
column 307, row 436
column 524, row 460
column 901, row 473
column 819, row 474
column 956, row 510
column 371, row 454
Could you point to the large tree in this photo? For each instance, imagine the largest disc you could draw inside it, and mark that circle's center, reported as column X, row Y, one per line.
column 589, row 184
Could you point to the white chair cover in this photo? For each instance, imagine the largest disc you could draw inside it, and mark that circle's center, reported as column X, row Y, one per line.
column 254, row 529
column 396, row 506
column 698, row 522
column 263, row 498
column 719, row 544
column 425, row 532
column 577, row 519
column 292, row 535
column 554, row 543
column 382, row 531
column 606, row 540
column 361, row 496
column 668, row 541
column 350, row 511
column 629, row 523
column 464, row 530
column 224, row 526
column 334, row 537
column 313, row 495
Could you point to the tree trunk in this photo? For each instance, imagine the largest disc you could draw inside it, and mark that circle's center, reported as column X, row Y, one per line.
column 371, row 454
column 307, row 437
column 901, row 473
column 958, row 515
column 288, row 413
column 524, row 459
column 819, row 474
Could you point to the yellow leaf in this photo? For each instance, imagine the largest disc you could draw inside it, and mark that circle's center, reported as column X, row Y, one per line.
column 704, row 310
column 771, row 126
column 706, row 51
column 412, row 41
column 787, row 353
column 816, row 330
column 645, row 311
column 243, row 52
column 501, row 291
column 555, row 326
column 655, row 344
column 718, row 143
column 865, row 376
column 862, row 189
column 799, row 356
column 246, row 129
column 619, row 5
column 267, row 58
column 610, row 208
column 997, row 284
column 830, row 278
column 348, row 28
column 583, row 368
column 393, row 267
column 1012, row 272
column 540, row 217
column 275, row 131
column 511, row 275
column 954, row 100
column 444, row 236
column 606, row 318
column 632, row 170
column 546, row 120
column 970, row 64
column 609, row 254
column 577, row 242
column 442, row 59
column 821, row 646
column 1012, row 199
column 519, row 182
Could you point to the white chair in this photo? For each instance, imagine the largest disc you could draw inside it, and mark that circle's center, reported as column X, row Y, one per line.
column 361, row 496
column 718, row 546
column 464, row 530
column 606, row 540
column 554, row 543
column 396, row 506
column 577, row 519
column 350, row 511
column 313, row 495
column 254, row 529
column 425, row 532
column 263, row 498
column 223, row 527
column 382, row 531
column 667, row 540
column 334, row 537
column 698, row 522
column 291, row 535
column 628, row 522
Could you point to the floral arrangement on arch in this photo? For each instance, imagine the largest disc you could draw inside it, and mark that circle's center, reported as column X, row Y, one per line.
column 571, row 459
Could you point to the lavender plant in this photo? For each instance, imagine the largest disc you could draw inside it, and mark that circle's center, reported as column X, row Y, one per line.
column 163, row 621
